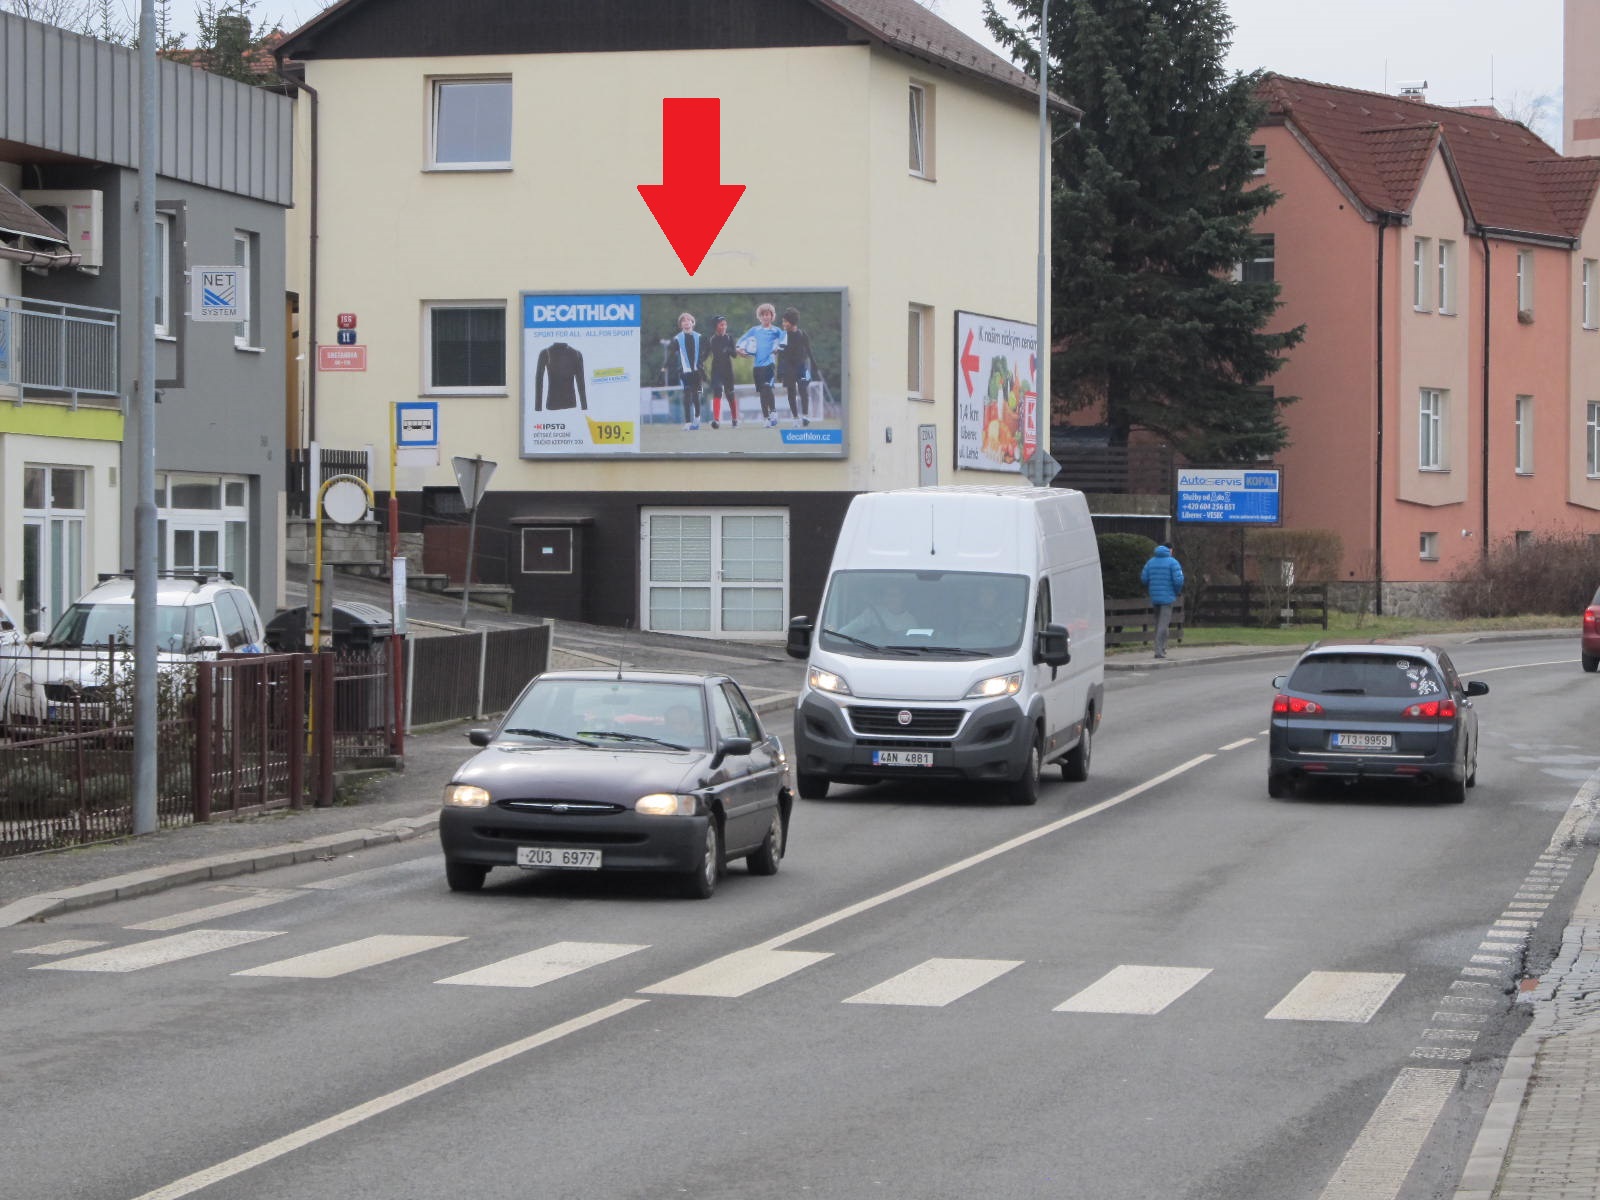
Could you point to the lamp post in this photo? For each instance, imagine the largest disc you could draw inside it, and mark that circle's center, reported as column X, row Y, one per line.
column 1041, row 401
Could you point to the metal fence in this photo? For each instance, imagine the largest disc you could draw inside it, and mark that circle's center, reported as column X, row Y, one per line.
column 472, row 674
column 63, row 350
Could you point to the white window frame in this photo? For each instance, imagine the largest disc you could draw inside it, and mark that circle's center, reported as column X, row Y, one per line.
column 429, row 388
column 1447, row 277
column 164, row 322
column 919, row 352
column 436, row 89
column 244, row 255
column 1428, row 547
column 1592, row 441
column 1419, row 274
column 230, row 522
column 715, row 583
column 1258, row 158
column 1432, row 428
column 920, row 130
column 1591, row 294
column 1524, row 442
column 1524, row 282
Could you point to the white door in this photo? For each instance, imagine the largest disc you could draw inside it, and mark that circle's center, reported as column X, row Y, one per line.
column 715, row 572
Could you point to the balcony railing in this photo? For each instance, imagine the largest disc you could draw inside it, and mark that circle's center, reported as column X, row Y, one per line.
column 55, row 351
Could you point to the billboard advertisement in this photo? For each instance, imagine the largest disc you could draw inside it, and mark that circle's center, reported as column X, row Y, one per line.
column 1229, row 496
column 997, row 373
column 684, row 374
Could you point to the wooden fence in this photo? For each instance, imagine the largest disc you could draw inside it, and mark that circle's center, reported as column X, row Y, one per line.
column 1252, row 604
column 1133, row 623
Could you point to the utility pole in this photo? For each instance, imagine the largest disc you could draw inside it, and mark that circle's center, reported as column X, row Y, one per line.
column 1041, row 402
column 145, row 662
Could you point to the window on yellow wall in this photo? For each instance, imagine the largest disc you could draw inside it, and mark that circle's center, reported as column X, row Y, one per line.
column 921, row 130
column 471, row 125
column 919, row 352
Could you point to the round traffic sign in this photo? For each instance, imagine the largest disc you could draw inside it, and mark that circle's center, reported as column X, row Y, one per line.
column 344, row 501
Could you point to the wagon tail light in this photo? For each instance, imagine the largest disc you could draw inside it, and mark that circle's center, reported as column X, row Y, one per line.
column 1294, row 705
column 1432, row 710
column 1591, row 619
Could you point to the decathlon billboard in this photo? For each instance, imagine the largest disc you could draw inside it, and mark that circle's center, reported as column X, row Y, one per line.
column 750, row 373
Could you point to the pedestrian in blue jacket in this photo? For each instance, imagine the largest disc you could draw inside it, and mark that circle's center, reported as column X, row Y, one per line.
column 1163, row 583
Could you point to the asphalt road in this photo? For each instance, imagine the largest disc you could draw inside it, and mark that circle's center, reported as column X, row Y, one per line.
column 1158, row 983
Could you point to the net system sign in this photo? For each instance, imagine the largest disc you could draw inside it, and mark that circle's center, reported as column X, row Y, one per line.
column 1236, row 497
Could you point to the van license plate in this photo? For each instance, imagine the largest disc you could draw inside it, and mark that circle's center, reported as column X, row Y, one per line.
column 558, row 856
column 1363, row 741
column 902, row 758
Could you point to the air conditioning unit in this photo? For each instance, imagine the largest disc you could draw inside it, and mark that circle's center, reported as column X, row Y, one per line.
column 80, row 214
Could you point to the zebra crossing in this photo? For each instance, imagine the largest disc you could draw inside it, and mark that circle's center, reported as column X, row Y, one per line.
column 1126, row 989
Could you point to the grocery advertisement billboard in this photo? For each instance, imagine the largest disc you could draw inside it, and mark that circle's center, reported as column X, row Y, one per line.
column 997, row 373
column 684, row 374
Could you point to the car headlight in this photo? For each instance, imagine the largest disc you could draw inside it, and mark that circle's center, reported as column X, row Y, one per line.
column 996, row 685
column 465, row 795
column 666, row 804
column 827, row 681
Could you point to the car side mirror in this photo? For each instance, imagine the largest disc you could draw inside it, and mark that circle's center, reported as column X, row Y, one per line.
column 799, row 643
column 729, row 747
column 38, row 638
column 480, row 737
column 1052, row 646
column 1278, row 681
column 1476, row 687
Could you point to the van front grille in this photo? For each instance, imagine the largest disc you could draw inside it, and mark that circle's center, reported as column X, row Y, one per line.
column 919, row 722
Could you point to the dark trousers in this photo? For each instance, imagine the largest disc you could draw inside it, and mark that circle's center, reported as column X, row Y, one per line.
column 763, row 377
column 791, row 386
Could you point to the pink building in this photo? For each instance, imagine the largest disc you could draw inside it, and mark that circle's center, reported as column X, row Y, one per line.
column 1443, row 262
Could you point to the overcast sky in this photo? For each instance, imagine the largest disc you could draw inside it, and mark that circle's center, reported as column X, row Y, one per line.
column 1469, row 51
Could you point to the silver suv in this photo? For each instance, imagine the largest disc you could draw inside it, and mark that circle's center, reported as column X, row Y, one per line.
column 63, row 675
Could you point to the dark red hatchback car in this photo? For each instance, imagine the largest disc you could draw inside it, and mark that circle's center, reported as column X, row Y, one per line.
column 1589, row 647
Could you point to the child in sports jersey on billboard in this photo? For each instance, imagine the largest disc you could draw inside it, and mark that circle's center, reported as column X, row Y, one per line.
column 762, row 342
column 795, row 367
column 719, row 370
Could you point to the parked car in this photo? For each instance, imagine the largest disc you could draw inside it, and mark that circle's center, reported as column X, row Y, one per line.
column 66, row 675
column 1589, row 645
column 620, row 771
column 1361, row 712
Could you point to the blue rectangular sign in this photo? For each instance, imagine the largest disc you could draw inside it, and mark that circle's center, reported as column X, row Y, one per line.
column 416, row 423
column 1221, row 497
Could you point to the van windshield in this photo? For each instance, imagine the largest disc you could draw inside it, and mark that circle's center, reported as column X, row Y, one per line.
column 934, row 614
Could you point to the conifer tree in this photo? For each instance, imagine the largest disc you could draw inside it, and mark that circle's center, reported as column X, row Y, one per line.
column 1151, row 214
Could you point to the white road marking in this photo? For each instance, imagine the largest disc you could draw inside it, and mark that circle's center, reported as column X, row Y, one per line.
column 1235, row 745
column 259, row 898
column 1485, row 972
column 1461, row 1018
column 352, row 956
column 544, row 965
column 69, row 946
column 736, row 974
column 1490, row 958
column 1449, row 1035
column 937, row 982
column 1556, row 662
column 1354, row 996
column 159, row 951
column 277, row 1148
column 1141, row 991
column 1388, row 1145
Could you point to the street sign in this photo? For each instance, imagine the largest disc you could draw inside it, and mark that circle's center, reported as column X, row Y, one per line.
column 416, row 423
column 347, row 320
column 1229, row 497
column 341, row 358
column 927, row 455
column 472, row 475
column 219, row 294
column 347, row 337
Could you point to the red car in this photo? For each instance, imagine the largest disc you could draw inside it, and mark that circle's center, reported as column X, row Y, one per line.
column 1590, row 646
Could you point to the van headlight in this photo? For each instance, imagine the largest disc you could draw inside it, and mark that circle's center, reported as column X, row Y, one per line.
column 995, row 685
column 827, row 681
column 465, row 795
column 666, row 804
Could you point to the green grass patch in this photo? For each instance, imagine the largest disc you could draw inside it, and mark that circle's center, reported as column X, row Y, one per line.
column 1346, row 625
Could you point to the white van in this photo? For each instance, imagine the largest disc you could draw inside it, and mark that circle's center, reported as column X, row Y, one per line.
column 962, row 637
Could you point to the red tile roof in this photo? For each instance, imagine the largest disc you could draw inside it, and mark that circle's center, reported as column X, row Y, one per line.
column 1380, row 145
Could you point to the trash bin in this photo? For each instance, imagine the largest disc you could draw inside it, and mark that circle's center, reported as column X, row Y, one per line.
column 356, row 626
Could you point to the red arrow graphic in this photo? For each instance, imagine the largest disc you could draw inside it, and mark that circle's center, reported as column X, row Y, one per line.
column 970, row 362
column 691, row 203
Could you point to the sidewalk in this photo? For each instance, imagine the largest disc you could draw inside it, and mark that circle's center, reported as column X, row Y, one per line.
column 1538, row 1140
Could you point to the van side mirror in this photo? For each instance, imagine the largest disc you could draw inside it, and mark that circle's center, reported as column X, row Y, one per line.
column 1476, row 687
column 799, row 643
column 1052, row 646
column 728, row 747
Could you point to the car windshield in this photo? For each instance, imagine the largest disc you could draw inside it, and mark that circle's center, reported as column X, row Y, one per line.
column 613, row 713
column 936, row 614
column 1365, row 674
column 94, row 625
